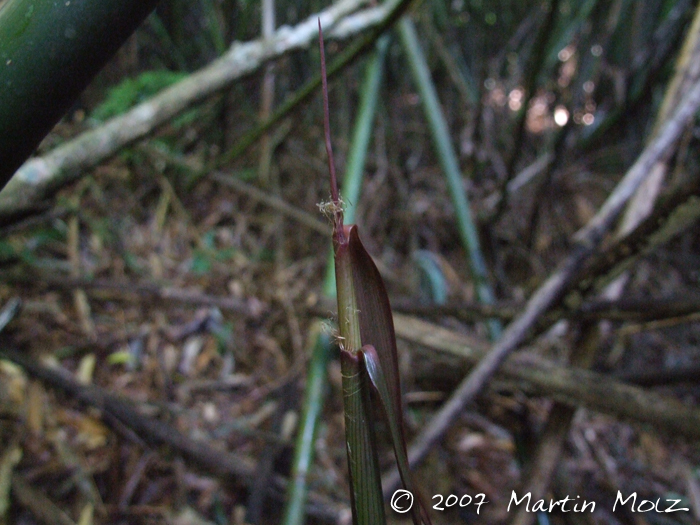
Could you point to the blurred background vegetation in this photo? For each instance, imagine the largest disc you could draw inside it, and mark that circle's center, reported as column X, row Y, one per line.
column 187, row 274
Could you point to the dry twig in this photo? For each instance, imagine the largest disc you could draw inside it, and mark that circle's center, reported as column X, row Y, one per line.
column 121, row 415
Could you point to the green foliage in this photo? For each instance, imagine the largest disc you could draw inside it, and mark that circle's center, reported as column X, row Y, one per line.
column 120, row 357
column 7, row 252
column 204, row 257
column 131, row 91
column 201, row 262
column 12, row 250
column 433, row 284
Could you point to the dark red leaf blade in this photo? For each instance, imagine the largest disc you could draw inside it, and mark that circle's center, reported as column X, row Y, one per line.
column 376, row 321
column 378, row 380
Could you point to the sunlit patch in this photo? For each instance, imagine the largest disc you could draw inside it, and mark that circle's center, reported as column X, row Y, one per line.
column 565, row 54
column 538, row 117
column 515, row 99
column 561, row 116
column 497, row 97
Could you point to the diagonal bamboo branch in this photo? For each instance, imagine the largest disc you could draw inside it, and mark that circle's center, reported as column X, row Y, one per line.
column 41, row 176
column 586, row 241
column 639, row 208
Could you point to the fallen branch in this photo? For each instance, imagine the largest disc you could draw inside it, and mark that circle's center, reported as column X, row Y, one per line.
column 663, row 377
column 121, row 413
column 150, row 430
column 251, row 307
column 38, row 503
column 572, row 386
column 586, row 242
column 637, row 309
column 653, row 232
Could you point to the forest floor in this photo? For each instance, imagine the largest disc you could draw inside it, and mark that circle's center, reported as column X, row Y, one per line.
column 197, row 302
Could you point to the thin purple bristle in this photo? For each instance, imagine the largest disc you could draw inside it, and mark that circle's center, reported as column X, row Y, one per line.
column 326, row 120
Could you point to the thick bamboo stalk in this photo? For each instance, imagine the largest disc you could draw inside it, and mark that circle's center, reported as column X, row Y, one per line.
column 41, row 176
column 49, row 51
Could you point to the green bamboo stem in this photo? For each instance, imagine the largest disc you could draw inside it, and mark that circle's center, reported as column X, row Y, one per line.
column 297, row 490
column 267, row 96
column 363, row 464
column 355, row 170
column 448, row 161
column 49, row 52
column 362, row 132
column 316, row 377
column 366, row 496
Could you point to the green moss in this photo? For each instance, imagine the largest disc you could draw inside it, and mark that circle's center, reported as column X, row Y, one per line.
column 132, row 91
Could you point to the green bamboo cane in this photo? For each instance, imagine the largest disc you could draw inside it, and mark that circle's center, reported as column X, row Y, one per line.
column 49, row 52
column 363, row 463
column 316, row 377
column 354, row 172
column 297, row 490
column 448, row 161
